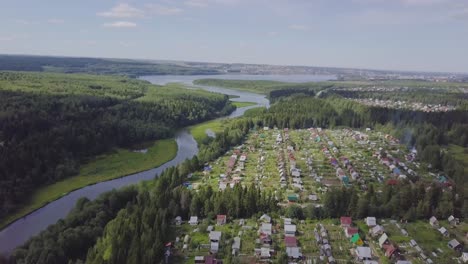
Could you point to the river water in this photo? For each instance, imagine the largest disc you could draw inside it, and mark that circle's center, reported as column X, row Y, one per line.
column 22, row 229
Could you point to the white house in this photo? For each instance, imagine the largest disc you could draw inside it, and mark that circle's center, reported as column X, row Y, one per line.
column 236, row 245
column 371, row 221
column 443, row 231
column 433, row 221
column 363, row 253
column 294, row 252
column 290, row 230
column 193, row 220
column 377, row 230
column 266, row 228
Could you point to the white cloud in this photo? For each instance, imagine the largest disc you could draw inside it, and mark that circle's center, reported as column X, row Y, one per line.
column 272, row 33
column 125, row 44
column 89, row 42
column 120, row 24
column 299, row 27
column 423, row 2
column 6, row 38
column 204, row 3
column 196, row 3
column 122, row 11
column 25, row 22
column 55, row 21
column 157, row 9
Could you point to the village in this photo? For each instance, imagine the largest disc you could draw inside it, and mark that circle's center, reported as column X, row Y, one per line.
column 300, row 167
column 397, row 104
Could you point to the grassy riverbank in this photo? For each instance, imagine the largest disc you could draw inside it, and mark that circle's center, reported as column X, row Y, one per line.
column 103, row 168
column 243, row 104
column 199, row 131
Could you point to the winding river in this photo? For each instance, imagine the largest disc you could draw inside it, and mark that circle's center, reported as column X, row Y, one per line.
column 22, row 229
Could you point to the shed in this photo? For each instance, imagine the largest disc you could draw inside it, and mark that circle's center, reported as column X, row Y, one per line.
column 433, row 221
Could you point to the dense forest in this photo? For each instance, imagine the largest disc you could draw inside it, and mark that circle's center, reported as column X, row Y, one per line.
column 95, row 66
column 52, row 123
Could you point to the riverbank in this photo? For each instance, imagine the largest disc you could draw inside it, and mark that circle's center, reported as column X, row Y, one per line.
column 106, row 167
column 199, row 131
column 243, row 104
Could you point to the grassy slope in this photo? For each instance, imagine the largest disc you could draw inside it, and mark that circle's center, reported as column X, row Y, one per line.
column 105, row 167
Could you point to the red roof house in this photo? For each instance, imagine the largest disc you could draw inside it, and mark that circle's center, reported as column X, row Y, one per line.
column 221, row 219
column 290, row 241
column 350, row 231
column 346, row 221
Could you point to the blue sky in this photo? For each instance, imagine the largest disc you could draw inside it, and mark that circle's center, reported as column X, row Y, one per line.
column 428, row 35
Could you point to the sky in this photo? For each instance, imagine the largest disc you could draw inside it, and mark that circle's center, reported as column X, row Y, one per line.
column 423, row 35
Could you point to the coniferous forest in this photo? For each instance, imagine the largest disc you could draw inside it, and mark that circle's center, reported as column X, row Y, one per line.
column 51, row 123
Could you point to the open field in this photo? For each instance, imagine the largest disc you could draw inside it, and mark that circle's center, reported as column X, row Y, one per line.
column 105, row 167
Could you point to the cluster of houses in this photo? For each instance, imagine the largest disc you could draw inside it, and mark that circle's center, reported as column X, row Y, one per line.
column 406, row 105
column 232, row 176
column 398, row 169
column 294, row 171
column 293, row 250
column 321, row 237
column 454, row 243
column 266, row 250
column 361, row 252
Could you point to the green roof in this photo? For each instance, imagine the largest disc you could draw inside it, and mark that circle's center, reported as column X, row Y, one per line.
column 355, row 238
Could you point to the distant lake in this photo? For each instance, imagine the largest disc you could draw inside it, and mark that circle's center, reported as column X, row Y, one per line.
column 188, row 79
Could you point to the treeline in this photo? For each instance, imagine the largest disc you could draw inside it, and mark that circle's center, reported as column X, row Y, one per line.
column 95, row 66
column 404, row 201
column 69, row 239
column 276, row 94
column 46, row 133
column 138, row 232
